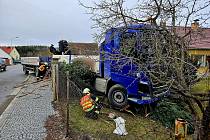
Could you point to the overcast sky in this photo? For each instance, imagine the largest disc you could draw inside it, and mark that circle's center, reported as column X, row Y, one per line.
column 43, row 22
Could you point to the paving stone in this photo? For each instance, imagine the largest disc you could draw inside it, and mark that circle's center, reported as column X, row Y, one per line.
column 25, row 117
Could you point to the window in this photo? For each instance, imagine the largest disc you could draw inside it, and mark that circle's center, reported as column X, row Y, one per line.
column 199, row 60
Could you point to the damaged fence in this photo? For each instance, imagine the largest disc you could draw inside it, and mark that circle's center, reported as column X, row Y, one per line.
column 60, row 78
column 70, row 90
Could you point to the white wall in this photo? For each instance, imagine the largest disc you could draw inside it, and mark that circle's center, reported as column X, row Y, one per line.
column 93, row 58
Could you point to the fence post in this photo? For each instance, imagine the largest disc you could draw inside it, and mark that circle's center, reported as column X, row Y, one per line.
column 67, row 106
column 57, row 81
column 54, row 82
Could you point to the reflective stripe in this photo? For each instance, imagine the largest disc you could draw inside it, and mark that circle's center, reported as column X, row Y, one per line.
column 42, row 68
column 97, row 99
column 87, row 107
column 87, row 110
column 86, row 103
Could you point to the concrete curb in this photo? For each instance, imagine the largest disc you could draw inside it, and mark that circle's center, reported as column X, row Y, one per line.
column 17, row 90
column 26, row 79
column 7, row 111
column 14, row 93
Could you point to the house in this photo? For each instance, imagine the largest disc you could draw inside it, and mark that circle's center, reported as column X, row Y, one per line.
column 6, row 56
column 199, row 47
column 84, row 48
column 86, row 52
column 12, row 51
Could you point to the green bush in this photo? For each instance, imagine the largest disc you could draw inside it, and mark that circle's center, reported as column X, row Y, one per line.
column 80, row 73
column 167, row 111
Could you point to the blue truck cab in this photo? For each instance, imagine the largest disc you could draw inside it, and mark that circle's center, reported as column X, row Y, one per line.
column 120, row 77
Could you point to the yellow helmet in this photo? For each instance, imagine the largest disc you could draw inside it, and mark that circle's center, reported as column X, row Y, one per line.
column 86, row 90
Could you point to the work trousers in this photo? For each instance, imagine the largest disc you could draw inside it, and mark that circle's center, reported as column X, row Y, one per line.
column 92, row 114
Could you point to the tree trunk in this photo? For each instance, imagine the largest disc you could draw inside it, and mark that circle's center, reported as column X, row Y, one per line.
column 204, row 130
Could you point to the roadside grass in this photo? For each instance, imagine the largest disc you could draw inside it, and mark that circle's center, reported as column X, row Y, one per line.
column 137, row 127
column 202, row 86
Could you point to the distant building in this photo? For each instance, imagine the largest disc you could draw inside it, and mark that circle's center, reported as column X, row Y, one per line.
column 199, row 47
column 12, row 51
column 84, row 48
column 6, row 56
column 86, row 52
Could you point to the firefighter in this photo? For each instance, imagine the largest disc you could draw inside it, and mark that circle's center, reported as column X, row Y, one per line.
column 41, row 70
column 90, row 104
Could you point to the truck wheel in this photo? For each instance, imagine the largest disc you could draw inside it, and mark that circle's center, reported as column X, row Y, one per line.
column 26, row 71
column 117, row 96
column 4, row 69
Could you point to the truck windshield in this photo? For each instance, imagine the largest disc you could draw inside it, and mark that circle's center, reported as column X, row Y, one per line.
column 135, row 44
column 140, row 44
column 128, row 43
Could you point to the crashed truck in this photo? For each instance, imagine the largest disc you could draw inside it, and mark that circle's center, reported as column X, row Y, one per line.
column 33, row 63
column 121, row 79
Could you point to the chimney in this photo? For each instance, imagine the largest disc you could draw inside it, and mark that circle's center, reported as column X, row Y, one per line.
column 150, row 20
column 163, row 24
column 195, row 25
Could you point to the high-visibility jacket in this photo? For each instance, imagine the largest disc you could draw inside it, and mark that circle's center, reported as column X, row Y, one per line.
column 42, row 68
column 87, row 103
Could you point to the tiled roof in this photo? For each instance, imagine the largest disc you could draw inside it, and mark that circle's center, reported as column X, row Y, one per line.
column 199, row 39
column 3, row 54
column 7, row 49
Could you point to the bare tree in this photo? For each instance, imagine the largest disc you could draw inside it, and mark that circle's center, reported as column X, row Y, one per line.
column 114, row 13
column 163, row 53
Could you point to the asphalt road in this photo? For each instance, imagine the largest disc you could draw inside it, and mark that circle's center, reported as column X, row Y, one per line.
column 8, row 79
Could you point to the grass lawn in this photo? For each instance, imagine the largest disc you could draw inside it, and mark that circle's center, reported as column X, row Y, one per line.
column 202, row 86
column 138, row 127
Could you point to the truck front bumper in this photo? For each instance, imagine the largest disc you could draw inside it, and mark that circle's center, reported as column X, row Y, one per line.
column 148, row 99
column 141, row 102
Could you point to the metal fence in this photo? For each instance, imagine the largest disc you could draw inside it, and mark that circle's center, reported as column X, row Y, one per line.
column 64, row 88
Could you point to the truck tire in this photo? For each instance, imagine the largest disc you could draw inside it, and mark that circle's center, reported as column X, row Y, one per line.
column 26, row 72
column 4, row 69
column 117, row 96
